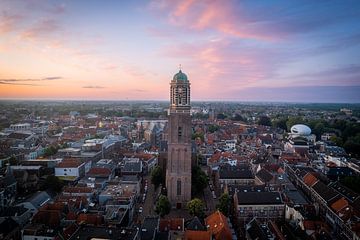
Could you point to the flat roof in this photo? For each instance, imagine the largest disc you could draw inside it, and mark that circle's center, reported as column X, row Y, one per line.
column 259, row 198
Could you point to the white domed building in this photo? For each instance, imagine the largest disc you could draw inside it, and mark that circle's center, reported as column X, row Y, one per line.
column 300, row 138
column 300, row 130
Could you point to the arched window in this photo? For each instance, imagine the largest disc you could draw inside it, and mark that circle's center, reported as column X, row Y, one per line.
column 178, row 189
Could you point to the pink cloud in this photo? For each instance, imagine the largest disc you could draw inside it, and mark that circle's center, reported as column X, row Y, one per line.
column 9, row 22
column 221, row 16
column 42, row 28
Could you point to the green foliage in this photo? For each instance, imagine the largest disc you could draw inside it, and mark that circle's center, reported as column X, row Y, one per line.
column 13, row 161
column 352, row 182
column 200, row 116
column 198, row 135
column 221, row 116
column 53, row 183
column 238, row 117
column 49, row 151
column 213, row 128
column 265, row 121
column 224, row 204
column 157, row 176
column 352, row 145
column 292, row 121
column 280, row 123
column 163, row 206
column 196, row 207
column 198, row 180
column 337, row 140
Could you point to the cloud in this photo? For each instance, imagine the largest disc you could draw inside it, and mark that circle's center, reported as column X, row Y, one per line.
column 41, row 29
column 9, row 22
column 16, row 83
column 329, row 94
column 52, row 78
column 93, row 87
column 223, row 16
column 341, row 76
column 27, row 81
column 31, row 79
column 249, row 20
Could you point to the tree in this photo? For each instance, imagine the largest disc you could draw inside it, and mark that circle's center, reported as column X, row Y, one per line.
column 352, row 182
column 13, row 161
column 292, row 121
column 53, row 183
column 224, row 204
column 238, row 117
column 213, row 128
column 352, row 145
column 198, row 180
column 157, row 176
column 163, row 206
column 198, row 135
column 337, row 140
column 280, row 123
column 196, row 207
column 49, row 151
column 265, row 121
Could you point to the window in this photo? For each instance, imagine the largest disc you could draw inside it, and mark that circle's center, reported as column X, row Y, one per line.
column 178, row 187
column 180, row 131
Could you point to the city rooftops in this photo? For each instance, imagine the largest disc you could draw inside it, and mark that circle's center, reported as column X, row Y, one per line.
column 70, row 163
column 235, row 172
column 92, row 232
column 259, row 198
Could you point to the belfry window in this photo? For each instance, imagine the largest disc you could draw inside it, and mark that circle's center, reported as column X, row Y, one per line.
column 178, row 188
column 179, row 131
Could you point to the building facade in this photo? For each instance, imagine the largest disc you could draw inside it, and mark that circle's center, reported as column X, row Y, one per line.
column 178, row 167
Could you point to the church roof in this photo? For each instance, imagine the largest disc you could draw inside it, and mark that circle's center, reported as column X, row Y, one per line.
column 180, row 76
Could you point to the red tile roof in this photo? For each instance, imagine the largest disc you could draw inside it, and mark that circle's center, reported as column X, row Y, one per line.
column 197, row 235
column 218, row 226
column 50, row 218
column 98, row 171
column 173, row 224
column 339, row 204
column 309, row 179
column 92, row 219
column 77, row 190
column 70, row 163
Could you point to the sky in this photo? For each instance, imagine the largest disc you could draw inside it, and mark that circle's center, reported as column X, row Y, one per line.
column 231, row 50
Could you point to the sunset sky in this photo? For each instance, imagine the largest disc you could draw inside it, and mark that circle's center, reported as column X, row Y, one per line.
column 299, row 51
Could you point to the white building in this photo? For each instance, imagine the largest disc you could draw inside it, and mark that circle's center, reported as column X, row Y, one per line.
column 71, row 169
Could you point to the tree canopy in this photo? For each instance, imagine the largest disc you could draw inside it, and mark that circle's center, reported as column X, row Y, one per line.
column 163, row 206
column 196, row 207
column 265, row 121
column 157, row 176
column 53, row 183
column 224, row 204
column 198, row 180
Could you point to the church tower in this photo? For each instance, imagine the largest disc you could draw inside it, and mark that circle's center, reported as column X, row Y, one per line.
column 178, row 167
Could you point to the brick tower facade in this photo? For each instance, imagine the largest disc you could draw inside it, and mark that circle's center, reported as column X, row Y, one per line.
column 178, row 167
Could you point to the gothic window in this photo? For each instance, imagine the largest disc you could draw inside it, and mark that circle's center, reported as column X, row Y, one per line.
column 178, row 189
column 179, row 131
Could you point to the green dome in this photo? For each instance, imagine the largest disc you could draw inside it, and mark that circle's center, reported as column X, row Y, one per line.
column 180, row 76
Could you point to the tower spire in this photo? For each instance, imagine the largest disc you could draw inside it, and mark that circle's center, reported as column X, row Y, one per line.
column 180, row 66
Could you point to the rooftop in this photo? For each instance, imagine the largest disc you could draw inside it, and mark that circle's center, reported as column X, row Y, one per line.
column 235, row 172
column 86, row 232
column 259, row 198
